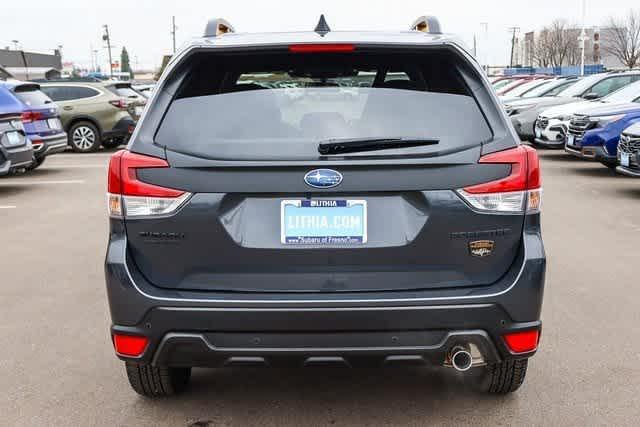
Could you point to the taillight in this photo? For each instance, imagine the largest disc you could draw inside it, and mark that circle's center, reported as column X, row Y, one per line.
column 30, row 116
column 130, row 345
column 322, row 48
column 517, row 193
column 119, row 103
column 522, row 342
column 130, row 197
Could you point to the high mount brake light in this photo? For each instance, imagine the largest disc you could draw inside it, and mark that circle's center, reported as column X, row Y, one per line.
column 321, row 48
column 517, row 193
column 130, row 197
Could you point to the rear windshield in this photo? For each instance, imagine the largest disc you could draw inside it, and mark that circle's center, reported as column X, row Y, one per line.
column 283, row 105
column 32, row 97
column 124, row 91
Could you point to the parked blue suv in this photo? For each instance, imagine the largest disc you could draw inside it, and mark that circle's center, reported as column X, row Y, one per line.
column 40, row 118
column 594, row 133
column 15, row 149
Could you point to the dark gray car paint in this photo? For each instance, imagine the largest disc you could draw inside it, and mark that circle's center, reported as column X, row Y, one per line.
column 510, row 302
column 232, row 243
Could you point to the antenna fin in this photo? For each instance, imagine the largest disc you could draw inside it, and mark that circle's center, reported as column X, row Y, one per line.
column 322, row 28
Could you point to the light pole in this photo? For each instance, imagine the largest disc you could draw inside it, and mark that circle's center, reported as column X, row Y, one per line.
column 15, row 44
column 106, row 38
column 583, row 36
column 485, row 48
column 173, row 33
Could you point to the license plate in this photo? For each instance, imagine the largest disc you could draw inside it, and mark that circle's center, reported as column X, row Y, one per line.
column 538, row 132
column 624, row 159
column 323, row 222
column 138, row 111
column 53, row 123
column 571, row 139
column 13, row 138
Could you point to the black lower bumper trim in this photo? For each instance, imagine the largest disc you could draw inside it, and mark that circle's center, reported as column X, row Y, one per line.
column 122, row 129
column 334, row 349
column 213, row 337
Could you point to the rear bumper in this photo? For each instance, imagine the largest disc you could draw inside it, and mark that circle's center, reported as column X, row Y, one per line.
column 50, row 145
column 15, row 158
column 122, row 129
column 308, row 349
column 197, row 328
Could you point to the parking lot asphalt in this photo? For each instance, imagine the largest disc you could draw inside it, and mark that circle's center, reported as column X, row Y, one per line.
column 57, row 365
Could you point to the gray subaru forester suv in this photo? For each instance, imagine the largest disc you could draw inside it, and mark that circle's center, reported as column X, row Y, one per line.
column 324, row 198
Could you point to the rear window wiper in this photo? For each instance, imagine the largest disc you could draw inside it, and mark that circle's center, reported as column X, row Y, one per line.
column 356, row 145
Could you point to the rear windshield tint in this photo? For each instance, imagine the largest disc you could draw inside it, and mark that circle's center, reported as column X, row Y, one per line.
column 125, row 91
column 31, row 97
column 282, row 105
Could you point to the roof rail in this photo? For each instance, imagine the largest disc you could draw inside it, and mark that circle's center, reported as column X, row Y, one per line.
column 217, row 27
column 427, row 24
column 68, row 79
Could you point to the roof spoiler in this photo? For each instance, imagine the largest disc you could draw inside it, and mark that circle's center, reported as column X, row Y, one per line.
column 217, row 27
column 427, row 24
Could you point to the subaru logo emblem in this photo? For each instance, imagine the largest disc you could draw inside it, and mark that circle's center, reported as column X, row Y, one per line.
column 323, row 178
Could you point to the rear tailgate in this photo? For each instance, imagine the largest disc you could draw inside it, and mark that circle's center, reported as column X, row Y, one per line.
column 41, row 115
column 247, row 154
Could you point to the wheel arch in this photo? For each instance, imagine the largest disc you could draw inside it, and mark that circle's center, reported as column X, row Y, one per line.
column 84, row 118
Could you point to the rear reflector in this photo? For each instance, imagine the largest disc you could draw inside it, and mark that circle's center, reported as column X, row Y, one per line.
column 130, row 345
column 522, row 342
column 321, row 48
column 519, row 192
column 129, row 197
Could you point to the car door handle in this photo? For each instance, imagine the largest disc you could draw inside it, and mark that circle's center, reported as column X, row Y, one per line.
column 67, row 108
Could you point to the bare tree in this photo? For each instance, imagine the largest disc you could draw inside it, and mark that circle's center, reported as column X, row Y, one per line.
column 557, row 45
column 624, row 39
column 542, row 48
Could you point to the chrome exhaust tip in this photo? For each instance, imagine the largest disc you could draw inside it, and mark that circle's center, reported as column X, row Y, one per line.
column 461, row 359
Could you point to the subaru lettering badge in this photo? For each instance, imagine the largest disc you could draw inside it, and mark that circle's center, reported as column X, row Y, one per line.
column 323, row 178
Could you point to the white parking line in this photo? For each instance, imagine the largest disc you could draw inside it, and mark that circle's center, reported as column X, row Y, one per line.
column 66, row 166
column 7, row 207
column 33, row 182
column 81, row 156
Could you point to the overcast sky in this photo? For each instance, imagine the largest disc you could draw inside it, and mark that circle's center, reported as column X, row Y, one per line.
column 143, row 26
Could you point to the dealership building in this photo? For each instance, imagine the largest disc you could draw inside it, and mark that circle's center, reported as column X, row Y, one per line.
column 23, row 65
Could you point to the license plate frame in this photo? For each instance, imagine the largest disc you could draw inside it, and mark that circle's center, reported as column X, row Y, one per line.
column 321, row 222
column 54, row 124
column 625, row 159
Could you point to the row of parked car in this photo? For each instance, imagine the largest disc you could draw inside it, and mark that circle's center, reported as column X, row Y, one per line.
column 41, row 118
column 595, row 118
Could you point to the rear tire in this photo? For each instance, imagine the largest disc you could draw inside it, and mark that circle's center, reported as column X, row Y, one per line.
column 113, row 143
column 151, row 381
column 36, row 164
column 84, row 137
column 505, row 377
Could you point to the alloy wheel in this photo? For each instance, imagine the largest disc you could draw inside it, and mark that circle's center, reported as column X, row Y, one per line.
column 83, row 137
